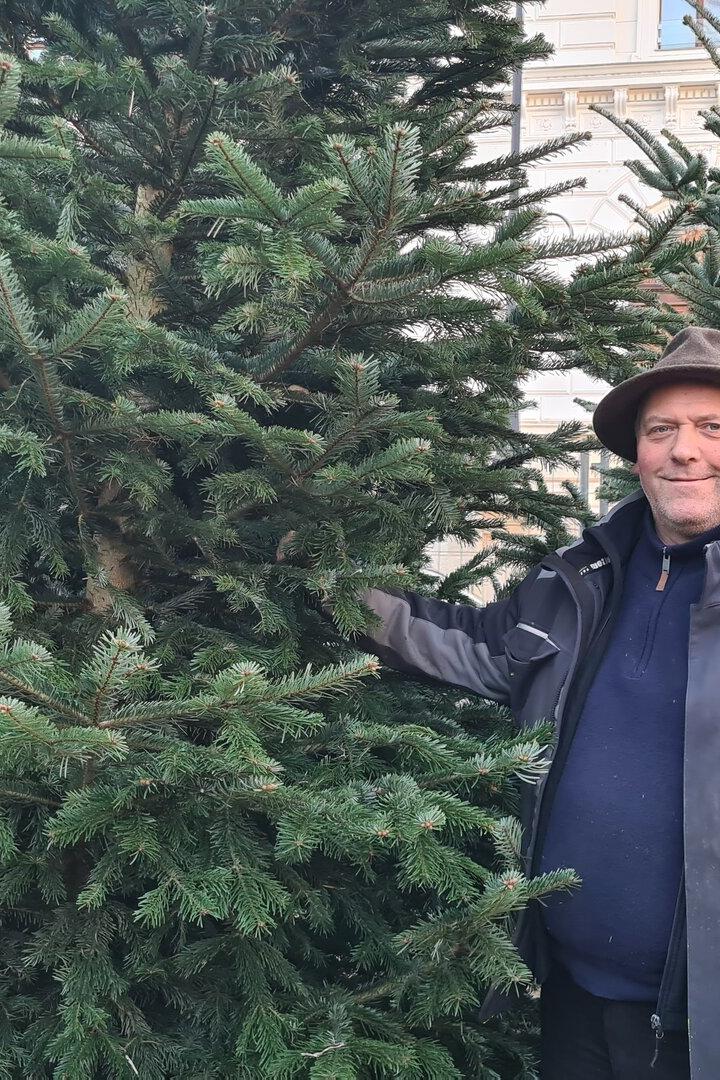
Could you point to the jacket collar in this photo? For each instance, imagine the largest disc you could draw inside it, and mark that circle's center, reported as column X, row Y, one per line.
column 614, row 536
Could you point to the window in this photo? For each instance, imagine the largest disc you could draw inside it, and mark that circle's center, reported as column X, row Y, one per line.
column 673, row 34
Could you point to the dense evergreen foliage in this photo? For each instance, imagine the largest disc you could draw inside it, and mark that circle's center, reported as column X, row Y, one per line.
column 265, row 312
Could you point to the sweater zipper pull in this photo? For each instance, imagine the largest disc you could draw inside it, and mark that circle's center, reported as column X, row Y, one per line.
column 664, row 572
column 657, row 1027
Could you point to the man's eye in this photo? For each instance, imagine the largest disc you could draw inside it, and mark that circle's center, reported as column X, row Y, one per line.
column 659, row 429
column 713, row 428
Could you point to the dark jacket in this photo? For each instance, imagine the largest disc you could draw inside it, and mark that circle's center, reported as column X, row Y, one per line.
column 537, row 651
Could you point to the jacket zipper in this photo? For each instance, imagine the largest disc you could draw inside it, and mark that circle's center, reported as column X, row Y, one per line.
column 655, row 1021
column 656, row 1025
column 669, row 972
column 664, row 571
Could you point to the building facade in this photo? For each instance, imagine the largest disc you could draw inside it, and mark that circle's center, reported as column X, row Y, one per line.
column 639, row 60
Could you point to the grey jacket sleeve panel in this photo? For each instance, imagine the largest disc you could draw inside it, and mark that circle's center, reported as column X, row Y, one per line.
column 454, row 643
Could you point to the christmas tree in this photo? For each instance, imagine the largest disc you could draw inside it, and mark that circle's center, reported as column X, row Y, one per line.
column 264, row 317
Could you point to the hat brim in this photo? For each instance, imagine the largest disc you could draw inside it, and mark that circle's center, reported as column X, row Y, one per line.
column 615, row 415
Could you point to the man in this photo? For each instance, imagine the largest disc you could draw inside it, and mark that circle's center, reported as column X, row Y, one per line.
column 617, row 638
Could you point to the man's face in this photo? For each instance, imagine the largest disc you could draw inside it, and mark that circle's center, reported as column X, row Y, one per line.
column 678, row 459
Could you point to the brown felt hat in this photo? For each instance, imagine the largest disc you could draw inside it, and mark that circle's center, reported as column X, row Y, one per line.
column 693, row 355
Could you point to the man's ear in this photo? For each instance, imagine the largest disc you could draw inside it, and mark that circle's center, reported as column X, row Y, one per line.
column 634, row 469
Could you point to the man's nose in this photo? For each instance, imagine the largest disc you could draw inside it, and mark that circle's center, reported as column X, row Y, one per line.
column 685, row 445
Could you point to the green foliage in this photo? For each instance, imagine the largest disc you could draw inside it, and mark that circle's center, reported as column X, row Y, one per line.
column 264, row 316
column 174, row 871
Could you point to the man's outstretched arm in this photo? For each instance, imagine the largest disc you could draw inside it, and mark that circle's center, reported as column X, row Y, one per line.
column 454, row 643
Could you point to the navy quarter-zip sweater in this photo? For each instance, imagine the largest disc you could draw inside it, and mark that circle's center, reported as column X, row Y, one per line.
column 617, row 813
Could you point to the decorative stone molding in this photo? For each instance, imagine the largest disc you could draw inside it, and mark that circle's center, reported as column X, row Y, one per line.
column 570, row 102
column 671, row 105
column 646, row 93
column 595, row 97
column 698, row 93
column 539, row 101
column 620, row 101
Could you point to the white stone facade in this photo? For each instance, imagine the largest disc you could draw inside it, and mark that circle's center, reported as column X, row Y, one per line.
column 612, row 57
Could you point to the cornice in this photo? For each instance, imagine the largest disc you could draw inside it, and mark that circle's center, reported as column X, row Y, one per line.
column 681, row 68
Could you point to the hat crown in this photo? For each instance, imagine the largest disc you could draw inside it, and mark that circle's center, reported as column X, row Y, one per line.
column 696, row 346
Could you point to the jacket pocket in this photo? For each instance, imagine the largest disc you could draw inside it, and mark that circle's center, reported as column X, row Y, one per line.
column 526, row 649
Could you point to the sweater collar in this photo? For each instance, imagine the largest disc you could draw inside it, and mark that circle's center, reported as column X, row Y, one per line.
column 679, row 552
column 620, row 530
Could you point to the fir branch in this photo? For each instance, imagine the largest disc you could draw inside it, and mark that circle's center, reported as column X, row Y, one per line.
column 339, row 149
column 89, row 328
column 27, row 692
column 248, row 177
column 25, row 797
column 311, row 336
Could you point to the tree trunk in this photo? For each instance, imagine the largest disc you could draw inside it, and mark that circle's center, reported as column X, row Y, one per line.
column 142, row 273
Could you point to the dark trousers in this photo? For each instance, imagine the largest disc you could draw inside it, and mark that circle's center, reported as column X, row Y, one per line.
column 584, row 1037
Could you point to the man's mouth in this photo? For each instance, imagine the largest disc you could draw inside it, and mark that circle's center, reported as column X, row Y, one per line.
column 687, row 479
